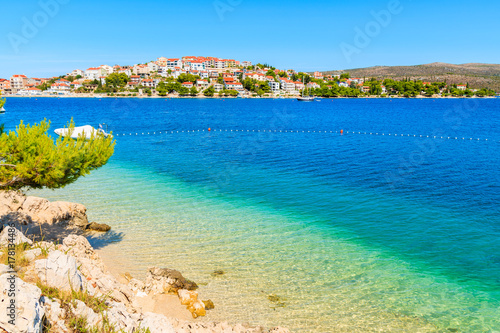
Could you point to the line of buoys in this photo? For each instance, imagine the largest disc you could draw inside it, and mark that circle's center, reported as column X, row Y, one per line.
column 304, row 131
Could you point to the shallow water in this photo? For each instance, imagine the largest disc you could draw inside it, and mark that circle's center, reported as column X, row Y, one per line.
column 315, row 231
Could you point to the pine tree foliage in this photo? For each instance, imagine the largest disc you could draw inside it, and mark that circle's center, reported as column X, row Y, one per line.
column 30, row 158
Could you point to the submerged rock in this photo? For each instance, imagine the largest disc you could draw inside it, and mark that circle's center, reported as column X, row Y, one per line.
column 98, row 227
column 218, row 272
column 209, row 305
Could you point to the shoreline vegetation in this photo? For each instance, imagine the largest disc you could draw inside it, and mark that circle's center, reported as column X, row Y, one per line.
column 54, row 281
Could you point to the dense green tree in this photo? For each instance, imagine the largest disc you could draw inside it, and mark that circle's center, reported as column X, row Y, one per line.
column 345, row 76
column 187, row 78
column 209, row 92
column 31, row 159
column 183, row 91
column 431, row 90
column 193, row 91
column 116, row 80
column 271, row 73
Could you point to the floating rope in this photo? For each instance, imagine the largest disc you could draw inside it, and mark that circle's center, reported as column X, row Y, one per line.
column 305, row 131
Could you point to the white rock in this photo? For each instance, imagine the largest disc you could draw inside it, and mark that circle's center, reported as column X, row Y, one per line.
column 30, row 255
column 119, row 316
column 4, row 269
column 43, row 211
column 10, row 235
column 82, row 310
column 156, row 323
column 60, row 271
column 28, row 311
column 136, row 285
column 55, row 314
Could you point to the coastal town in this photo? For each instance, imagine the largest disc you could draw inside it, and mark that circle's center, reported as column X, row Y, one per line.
column 193, row 76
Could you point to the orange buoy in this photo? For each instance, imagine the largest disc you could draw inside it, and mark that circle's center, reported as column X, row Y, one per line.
column 209, row 129
column 341, row 131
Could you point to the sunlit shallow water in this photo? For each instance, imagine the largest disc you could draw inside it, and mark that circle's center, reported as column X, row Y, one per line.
column 313, row 231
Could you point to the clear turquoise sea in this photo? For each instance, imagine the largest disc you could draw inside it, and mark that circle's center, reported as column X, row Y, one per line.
column 391, row 231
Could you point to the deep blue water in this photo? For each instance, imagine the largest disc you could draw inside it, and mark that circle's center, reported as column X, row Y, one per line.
column 382, row 184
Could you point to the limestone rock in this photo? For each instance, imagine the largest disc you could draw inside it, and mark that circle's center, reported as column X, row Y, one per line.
column 54, row 314
column 10, row 201
column 136, row 285
column 156, row 323
column 60, row 271
column 30, row 255
column 42, row 211
column 98, row 227
column 4, row 269
column 164, row 280
column 119, row 316
column 28, row 309
column 79, row 247
column 82, row 310
column 18, row 237
column 91, row 266
column 15, row 207
column 193, row 304
column 197, row 309
column 279, row 330
column 209, row 305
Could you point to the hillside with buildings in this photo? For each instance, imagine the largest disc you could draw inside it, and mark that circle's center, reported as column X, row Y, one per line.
column 210, row 76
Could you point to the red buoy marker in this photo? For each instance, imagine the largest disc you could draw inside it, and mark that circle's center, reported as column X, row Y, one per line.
column 209, row 129
column 341, row 131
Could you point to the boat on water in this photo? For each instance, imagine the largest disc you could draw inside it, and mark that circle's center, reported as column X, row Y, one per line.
column 85, row 130
column 305, row 98
column 2, row 110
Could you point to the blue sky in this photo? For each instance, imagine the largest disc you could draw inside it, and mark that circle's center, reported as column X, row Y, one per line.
column 303, row 35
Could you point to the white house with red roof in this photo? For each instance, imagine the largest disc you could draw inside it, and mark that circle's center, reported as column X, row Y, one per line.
column 135, row 78
column 150, row 83
column 233, row 85
column 174, row 62
column 75, row 85
column 132, row 85
column 202, row 84
column 299, row 85
column 313, row 85
column 461, row 86
column 188, row 85
column 92, row 73
column 60, row 87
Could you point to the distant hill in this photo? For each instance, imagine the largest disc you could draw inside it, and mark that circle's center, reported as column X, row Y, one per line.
column 477, row 75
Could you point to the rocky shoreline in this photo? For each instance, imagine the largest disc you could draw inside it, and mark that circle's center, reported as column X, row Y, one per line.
column 52, row 280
